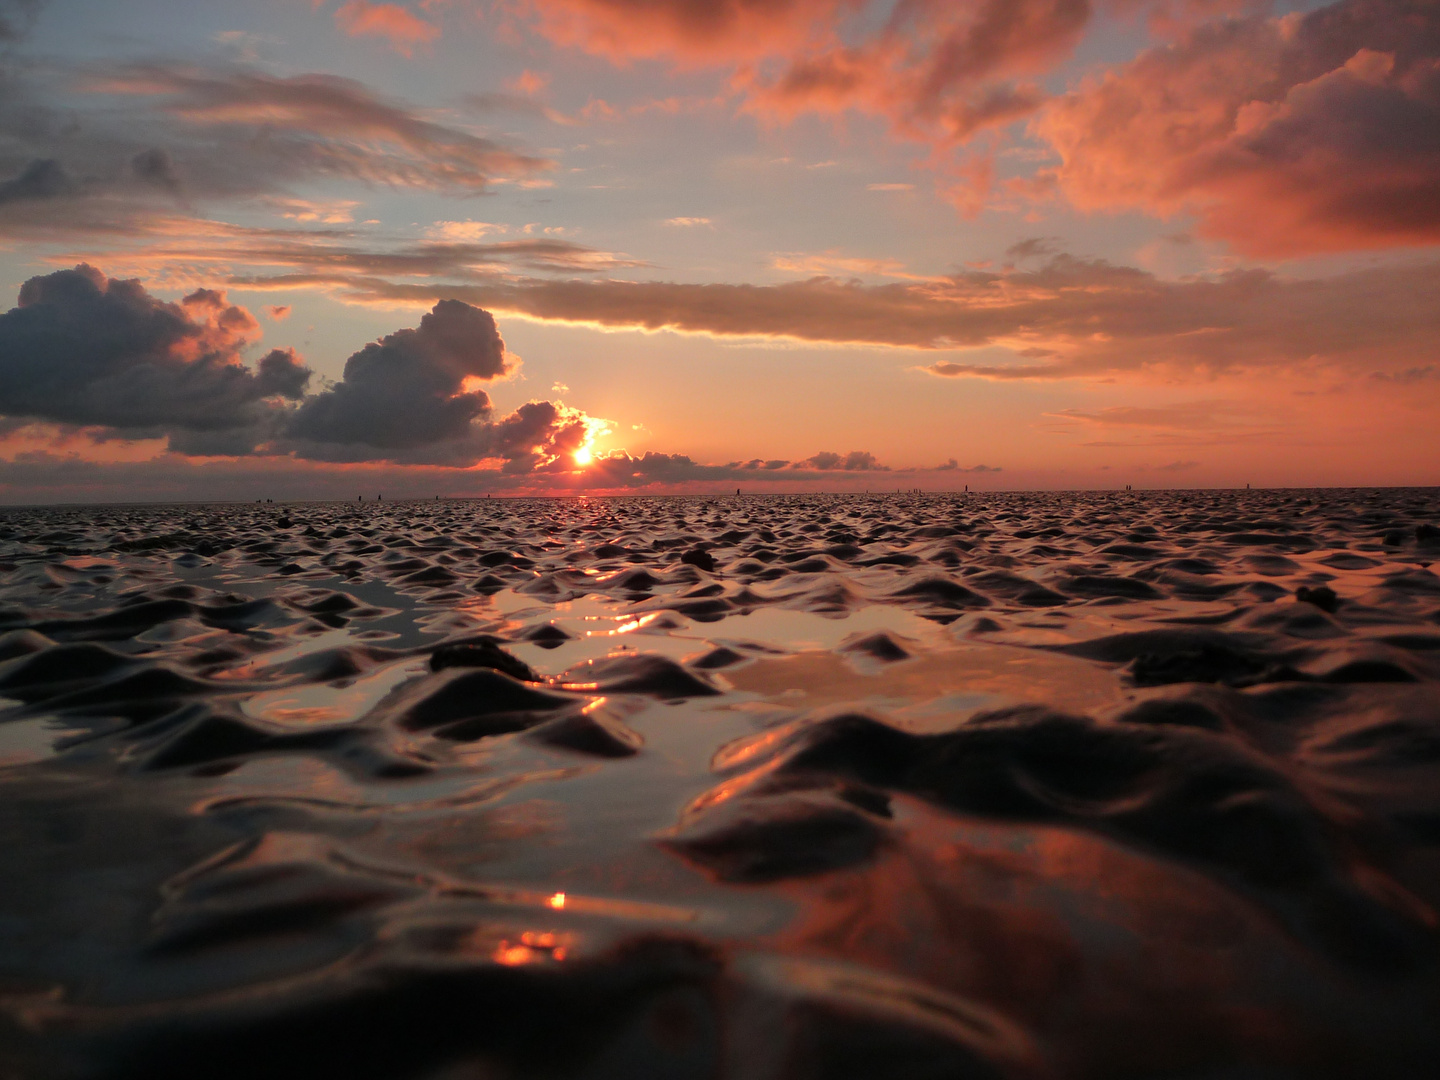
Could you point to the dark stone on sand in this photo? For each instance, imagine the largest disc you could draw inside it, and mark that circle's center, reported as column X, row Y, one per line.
column 1322, row 596
column 700, row 558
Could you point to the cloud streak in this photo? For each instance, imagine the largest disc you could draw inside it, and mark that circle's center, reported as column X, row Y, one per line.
column 319, row 125
column 1067, row 318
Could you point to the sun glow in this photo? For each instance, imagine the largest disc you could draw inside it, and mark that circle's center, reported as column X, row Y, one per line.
column 584, row 456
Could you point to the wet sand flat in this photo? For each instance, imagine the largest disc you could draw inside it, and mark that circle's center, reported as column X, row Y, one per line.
column 1095, row 785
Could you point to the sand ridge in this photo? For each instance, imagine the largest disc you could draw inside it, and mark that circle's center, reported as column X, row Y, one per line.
column 995, row 785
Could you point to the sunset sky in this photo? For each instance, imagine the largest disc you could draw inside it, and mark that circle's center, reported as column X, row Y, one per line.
column 691, row 245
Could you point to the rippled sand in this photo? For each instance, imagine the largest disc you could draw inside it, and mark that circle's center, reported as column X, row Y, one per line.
column 1098, row 785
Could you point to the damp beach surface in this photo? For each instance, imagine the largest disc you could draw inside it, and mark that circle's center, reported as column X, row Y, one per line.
column 1097, row 785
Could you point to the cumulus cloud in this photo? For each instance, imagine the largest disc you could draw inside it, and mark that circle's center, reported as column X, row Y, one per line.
column 406, row 389
column 414, row 397
column 84, row 349
column 954, row 466
column 1286, row 136
column 854, row 461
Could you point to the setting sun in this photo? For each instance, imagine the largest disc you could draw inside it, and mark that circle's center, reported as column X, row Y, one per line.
column 583, row 456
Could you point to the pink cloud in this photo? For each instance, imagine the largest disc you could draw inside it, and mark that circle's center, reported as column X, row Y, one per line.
column 692, row 32
column 399, row 26
column 1286, row 136
column 937, row 70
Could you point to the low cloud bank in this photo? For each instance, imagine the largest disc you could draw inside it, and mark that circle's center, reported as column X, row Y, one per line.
column 96, row 360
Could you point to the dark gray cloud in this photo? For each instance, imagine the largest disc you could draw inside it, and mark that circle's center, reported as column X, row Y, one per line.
column 855, row 461
column 43, row 178
column 406, row 390
column 156, row 168
column 87, row 350
column 954, row 466
column 413, row 398
column 97, row 150
column 257, row 123
column 17, row 17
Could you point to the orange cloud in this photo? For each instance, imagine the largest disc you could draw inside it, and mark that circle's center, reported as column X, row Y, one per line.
column 1286, row 136
column 400, row 27
column 692, row 32
column 1070, row 318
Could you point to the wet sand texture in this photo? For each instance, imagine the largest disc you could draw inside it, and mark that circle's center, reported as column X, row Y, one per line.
column 1136, row 785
